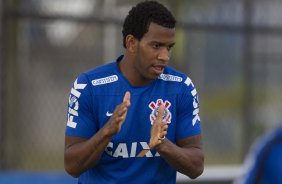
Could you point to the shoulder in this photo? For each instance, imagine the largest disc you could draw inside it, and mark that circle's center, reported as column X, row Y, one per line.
column 271, row 137
column 262, row 145
column 172, row 75
column 176, row 79
column 101, row 74
column 102, row 70
column 263, row 154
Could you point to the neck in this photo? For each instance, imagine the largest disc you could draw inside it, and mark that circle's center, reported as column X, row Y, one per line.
column 126, row 67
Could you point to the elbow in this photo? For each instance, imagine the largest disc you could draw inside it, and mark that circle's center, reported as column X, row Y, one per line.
column 72, row 171
column 193, row 173
column 197, row 170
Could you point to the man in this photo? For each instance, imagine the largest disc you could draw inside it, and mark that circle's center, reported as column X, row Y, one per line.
column 135, row 120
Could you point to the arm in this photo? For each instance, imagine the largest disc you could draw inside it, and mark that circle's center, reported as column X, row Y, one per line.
column 186, row 156
column 81, row 154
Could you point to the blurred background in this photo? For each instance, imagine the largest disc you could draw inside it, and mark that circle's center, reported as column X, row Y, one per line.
column 230, row 48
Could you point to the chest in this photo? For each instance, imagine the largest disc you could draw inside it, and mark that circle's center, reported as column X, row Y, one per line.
column 141, row 114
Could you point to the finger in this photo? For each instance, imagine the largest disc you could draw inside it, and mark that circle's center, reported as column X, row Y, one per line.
column 161, row 113
column 164, row 127
column 163, row 134
column 126, row 98
column 121, row 111
column 120, row 119
column 123, row 116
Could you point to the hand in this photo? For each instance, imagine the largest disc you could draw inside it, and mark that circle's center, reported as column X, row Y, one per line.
column 158, row 130
column 115, row 122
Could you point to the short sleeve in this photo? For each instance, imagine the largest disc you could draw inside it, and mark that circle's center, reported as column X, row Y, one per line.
column 188, row 117
column 80, row 117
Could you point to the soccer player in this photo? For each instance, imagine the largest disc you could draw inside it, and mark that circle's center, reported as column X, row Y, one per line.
column 135, row 120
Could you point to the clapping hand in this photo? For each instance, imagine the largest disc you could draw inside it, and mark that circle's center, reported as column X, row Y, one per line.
column 115, row 122
column 158, row 130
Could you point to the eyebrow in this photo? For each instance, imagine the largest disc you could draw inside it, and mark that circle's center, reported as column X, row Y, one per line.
column 162, row 44
column 171, row 45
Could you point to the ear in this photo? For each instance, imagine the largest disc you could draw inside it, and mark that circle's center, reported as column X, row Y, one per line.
column 131, row 43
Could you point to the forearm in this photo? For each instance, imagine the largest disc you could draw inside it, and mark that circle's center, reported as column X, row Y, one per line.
column 187, row 160
column 83, row 155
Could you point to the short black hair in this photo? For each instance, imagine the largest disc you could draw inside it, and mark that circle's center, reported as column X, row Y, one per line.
column 140, row 16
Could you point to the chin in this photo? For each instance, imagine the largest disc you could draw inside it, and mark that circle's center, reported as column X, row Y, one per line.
column 155, row 77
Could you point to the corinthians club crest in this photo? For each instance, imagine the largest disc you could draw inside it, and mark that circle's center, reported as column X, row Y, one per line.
column 155, row 109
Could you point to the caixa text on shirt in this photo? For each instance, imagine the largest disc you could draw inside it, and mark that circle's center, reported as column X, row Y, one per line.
column 128, row 151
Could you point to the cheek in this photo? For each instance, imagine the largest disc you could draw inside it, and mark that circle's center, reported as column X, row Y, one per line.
column 146, row 56
column 143, row 58
column 141, row 64
column 150, row 58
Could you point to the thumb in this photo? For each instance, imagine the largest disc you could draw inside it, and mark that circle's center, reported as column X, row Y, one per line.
column 126, row 98
column 161, row 113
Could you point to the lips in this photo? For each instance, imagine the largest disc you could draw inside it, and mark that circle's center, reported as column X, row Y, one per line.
column 158, row 69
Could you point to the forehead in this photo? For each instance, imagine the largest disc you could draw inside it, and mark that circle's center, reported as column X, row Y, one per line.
column 160, row 34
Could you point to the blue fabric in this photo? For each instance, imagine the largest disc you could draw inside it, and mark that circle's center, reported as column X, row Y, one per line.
column 95, row 95
column 265, row 159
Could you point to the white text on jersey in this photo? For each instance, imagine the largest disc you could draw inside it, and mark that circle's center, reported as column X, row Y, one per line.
column 168, row 77
column 73, row 103
column 105, row 80
column 122, row 151
column 196, row 118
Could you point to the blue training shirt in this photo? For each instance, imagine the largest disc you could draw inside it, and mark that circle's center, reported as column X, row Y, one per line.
column 127, row 158
column 264, row 162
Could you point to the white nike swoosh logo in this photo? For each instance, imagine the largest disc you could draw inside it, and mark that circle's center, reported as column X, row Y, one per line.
column 109, row 114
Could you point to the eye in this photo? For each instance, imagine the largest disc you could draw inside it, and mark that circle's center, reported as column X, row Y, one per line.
column 169, row 47
column 156, row 46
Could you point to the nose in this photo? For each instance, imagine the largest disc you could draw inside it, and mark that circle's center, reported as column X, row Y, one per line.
column 164, row 54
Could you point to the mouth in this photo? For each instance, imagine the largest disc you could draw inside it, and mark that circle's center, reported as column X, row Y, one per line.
column 158, row 69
